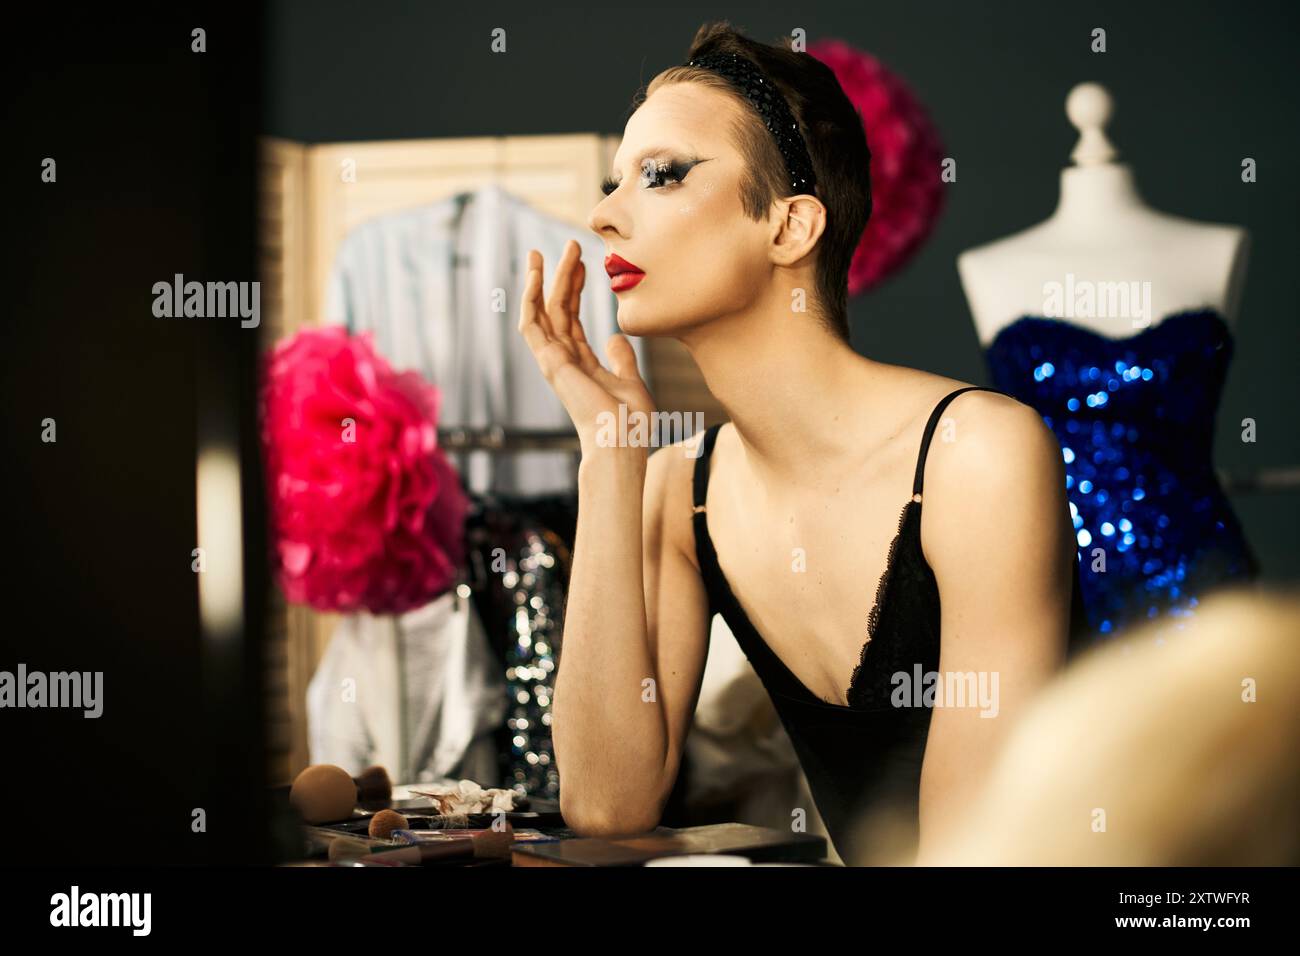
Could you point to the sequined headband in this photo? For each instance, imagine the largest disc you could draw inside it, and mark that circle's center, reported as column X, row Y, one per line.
column 772, row 107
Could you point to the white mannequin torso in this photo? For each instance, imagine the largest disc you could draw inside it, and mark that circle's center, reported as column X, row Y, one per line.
column 1105, row 246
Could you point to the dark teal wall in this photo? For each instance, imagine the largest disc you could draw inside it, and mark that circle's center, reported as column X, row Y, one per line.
column 1198, row 87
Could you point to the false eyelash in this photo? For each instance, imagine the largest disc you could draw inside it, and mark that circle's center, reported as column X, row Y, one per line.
column 676, row 171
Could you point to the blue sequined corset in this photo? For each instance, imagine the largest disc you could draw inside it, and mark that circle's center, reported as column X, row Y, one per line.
column 1135, row 419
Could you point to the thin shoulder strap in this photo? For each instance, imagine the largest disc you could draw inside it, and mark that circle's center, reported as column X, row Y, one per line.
column 929, row 431
column 701, row 478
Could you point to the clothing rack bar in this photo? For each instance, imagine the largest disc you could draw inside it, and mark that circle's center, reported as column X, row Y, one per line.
column 498, row 438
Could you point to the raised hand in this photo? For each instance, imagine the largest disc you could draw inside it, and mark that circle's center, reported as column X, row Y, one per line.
column 554, row 333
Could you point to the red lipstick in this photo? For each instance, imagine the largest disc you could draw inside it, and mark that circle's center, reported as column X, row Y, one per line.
column 622, row 274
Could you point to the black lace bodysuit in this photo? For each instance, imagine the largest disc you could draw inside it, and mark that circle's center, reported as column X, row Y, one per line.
column 868, row 754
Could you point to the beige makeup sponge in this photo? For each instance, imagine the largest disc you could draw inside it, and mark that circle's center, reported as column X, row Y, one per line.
column 323, row 793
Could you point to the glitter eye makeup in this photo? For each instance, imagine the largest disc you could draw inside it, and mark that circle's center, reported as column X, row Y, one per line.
column 656, row 173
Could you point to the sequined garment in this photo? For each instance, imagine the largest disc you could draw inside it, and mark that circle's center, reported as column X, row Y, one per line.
column 519, row 555
column 1135, row 419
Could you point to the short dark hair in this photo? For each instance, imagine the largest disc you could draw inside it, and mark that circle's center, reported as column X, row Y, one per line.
column 831, row 127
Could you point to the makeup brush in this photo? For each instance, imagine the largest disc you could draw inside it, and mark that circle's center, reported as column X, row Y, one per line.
column 324, row 793
column 373, row 786
column 383, row 823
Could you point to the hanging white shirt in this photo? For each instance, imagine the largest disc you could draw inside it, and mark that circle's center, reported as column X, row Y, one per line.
column 419, row 694
column 440, row 285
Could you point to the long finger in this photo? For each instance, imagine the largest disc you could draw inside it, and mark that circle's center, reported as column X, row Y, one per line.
column 538, row 306
column 557, row 306
column 530, row 310
column 576, row 330
column 575, row 298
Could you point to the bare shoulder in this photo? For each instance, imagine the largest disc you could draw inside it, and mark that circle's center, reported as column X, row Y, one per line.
column 915, row 391
column 995, row 424
column 989, row 437
column 994, row 468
